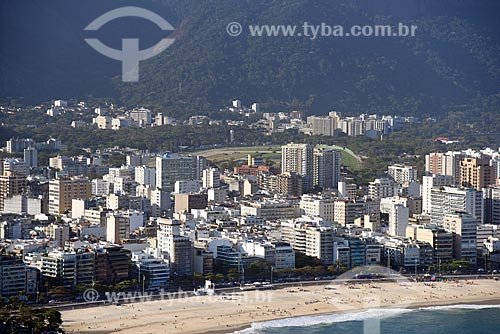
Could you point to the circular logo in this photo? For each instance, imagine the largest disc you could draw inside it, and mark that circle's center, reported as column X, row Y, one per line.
column 91, row 295
column 234, row 29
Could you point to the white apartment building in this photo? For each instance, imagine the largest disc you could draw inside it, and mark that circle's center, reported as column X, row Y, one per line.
column 216, row 195
column 187, row 186
column 280, row 255
column 160, row 202
column 382, row 188
column 449, row 200
column 401, row 173
column 15, row 166
column 145, row 175
column 103, row 122
column 100, row 187
column 211, row 178
column 318, row 206
column 429, row 182
column 309, row 238
column 347, row 190
column 345, row 211
column 31, row 157
column 492, row 205
column 398, row 220
column 299, row 158
column 140, row 117
column 151, row 268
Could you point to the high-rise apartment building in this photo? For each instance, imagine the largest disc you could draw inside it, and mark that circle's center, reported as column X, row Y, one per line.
column 444, row 164
column 140, row 117
column 440, row 240
column 16, row 278
column 446, row 200
column 322, row 125
column 326, row 168
column 31, row 157
column 189, row 201
column 398, row 219
column 69, row 268
column 15, row 145
column 289, row 183
column 492, row 205
column 463, row 226
column 112, row 264
column 63, row 191
column 346, row 211
column 117, row 228
column 211, row 178
column 174, row 167
column 476, row 173
column 145, row 175
column 15, row 166
column 430, row 182
column 299, row 158
column 309, row 239
column 177, row 249
column 11, row 185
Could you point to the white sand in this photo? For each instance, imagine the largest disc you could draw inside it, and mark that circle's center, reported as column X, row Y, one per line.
column 202, row 314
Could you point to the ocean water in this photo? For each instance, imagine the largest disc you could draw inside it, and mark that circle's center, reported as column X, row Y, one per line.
column 456, row 319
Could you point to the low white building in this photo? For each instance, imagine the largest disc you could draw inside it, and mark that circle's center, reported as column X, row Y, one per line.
column 187, row 186
column 216, row 194
column 281, row 255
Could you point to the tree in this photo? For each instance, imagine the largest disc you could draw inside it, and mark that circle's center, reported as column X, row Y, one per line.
column 59, row 292
column 302, row 260
column 126, row 285
column 17, row 317
column 460, row 264
column 198, row 278
column 233, row 274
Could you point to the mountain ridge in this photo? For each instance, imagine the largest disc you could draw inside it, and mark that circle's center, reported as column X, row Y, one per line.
column 452, row 62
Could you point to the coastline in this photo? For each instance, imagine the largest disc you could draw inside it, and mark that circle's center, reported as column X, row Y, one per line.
column 495, row 301
column 238, row 311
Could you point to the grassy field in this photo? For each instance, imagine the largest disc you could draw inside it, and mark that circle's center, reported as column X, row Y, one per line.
column 272, row 153
column 348, row 157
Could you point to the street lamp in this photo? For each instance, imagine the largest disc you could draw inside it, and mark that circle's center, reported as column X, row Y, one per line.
column 139, row 275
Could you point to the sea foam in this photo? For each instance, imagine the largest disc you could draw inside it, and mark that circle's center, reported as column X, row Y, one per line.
column 306, row 321
column 458, row 306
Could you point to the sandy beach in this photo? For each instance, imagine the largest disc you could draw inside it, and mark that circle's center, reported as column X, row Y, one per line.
column 227, row 313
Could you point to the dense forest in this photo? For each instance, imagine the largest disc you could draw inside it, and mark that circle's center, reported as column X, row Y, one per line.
column 451, row 65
